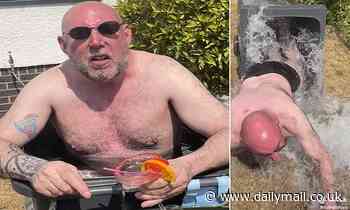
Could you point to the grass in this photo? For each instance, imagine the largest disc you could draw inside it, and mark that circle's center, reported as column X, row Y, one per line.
column 9, row 200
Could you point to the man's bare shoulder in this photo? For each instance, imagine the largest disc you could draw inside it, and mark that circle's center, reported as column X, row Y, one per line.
column 35, row 99
column 51, row 75
column 159, row 64
column 46, row 83
column 166, row 72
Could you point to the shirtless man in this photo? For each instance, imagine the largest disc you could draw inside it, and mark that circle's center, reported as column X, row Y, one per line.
column 108, row 103
column 272, row 94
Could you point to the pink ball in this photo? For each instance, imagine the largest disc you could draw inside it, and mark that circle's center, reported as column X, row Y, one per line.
column 260, row 133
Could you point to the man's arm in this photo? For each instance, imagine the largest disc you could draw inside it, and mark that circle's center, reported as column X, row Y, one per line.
column 313, row 147
column 203, row 113
column 16, row 164
column 322, row 159
column 25, row 119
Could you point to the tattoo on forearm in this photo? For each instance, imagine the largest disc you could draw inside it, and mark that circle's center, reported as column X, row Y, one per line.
column 17, row 164
column 28, row 125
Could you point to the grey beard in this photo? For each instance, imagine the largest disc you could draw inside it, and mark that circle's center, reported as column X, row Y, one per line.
column 121, row 66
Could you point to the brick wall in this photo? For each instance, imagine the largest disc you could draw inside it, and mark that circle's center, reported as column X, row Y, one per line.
column 10, row 87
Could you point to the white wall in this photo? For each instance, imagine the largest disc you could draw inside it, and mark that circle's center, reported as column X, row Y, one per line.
column 30, row 33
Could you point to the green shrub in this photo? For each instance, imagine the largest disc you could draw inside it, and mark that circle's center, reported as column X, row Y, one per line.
column 194, row 32
column 338, row 14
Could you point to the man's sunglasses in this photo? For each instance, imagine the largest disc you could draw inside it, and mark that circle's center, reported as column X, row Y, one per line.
column 83, row 32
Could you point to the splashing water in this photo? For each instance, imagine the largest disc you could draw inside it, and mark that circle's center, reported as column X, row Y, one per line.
column 329, row 116
column 331, row 122
column 263, row 2
column 310, row 48
column 259, row 39
column 271, row 39
column 330, row 119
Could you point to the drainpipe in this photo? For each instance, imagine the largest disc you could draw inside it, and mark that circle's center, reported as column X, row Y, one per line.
column 12, row 68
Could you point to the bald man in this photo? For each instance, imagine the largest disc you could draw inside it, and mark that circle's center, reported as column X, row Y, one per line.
column 109, row 102
column 272, row 93
column 261, row 134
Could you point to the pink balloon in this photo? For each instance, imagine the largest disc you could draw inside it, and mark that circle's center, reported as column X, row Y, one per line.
column 261, row 134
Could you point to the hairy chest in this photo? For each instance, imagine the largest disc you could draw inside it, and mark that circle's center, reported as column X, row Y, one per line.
column 139, row 122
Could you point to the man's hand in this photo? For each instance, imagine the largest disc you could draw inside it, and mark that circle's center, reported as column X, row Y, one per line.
column 160, row 190
column 57, row 178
